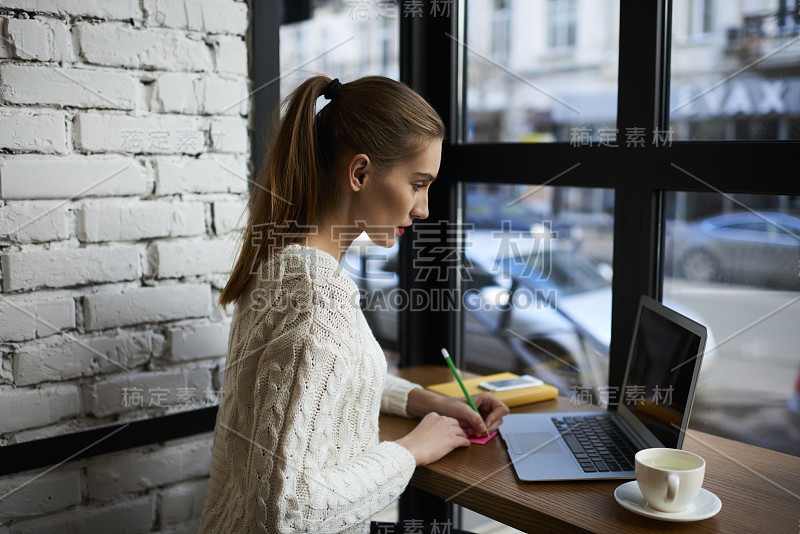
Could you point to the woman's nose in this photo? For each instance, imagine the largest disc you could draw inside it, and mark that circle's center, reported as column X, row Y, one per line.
column 420, row 210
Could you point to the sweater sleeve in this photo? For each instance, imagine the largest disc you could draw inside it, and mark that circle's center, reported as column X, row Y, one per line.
column 395, row 395
column 291, row 484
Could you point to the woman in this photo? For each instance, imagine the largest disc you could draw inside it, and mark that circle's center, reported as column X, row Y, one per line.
column 296, row 444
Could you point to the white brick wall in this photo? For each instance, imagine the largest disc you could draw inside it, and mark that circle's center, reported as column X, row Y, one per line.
column 63, row 267
column 39, row 39
column 126, row 516
column 182, row 502
column 126, row 392
column 29, row 408
column 220, row 174
column 34, row 493
column 141, row 470
column 126, row 220
column 178, row 258
column 124, row 169
column 64, row 86
column 229, row 216
column 146, row 305
column 120, row 9
column 71, row 177
column 154, row 134
column 34, row 221
column 190, row 342
column 37, row 131
column 76, row 356
column 176, row 92
column 121, row 45
column 29, row 316
column 211, row 16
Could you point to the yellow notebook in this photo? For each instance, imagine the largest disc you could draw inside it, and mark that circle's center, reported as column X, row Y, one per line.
column 512, row 397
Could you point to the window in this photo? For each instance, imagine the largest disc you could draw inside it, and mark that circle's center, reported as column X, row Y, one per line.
column 740, row 82
column 345, row 40
column 562, row 21
column 734, row 262
column 537, row 282
column 521, row 87
column 698, row 18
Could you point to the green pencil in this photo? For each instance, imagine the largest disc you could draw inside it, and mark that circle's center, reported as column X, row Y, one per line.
column 461, row 383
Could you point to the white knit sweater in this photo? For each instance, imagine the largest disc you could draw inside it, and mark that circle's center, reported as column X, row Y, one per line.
column 296, row 440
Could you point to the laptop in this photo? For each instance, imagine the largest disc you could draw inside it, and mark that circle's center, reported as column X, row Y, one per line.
column 653, row 408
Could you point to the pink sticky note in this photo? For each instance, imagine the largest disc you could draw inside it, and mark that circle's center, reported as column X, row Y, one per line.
column 484, row 439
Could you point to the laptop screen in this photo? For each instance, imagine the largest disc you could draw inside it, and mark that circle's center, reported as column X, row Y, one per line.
column 662, row 373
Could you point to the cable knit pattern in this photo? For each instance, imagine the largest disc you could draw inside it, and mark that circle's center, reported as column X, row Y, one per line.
column 296, row 444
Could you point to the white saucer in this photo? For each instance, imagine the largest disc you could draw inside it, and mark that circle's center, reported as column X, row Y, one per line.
column 705, row 505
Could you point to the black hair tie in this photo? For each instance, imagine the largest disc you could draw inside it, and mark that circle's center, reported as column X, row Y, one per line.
column 332, row 89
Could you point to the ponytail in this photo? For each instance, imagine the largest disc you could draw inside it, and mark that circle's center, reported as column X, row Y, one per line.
column 373, row 115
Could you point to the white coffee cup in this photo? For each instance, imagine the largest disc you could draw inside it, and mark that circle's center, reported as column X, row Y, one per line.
column 669, row 479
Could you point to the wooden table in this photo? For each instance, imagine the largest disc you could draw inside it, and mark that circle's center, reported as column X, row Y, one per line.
column 759, row 488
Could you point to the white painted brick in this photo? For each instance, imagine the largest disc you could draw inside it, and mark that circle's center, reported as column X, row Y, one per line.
column 118, row 9
column 77, row 87
column 164, row 134
column 34, row 221
column 230, row 54
column 229, row 134
column 183, row 502
column 69, row 267
column 120, row 45
column 190, row 527
column 202, row 175
column 189, row 93
column 76, row 356
column 27, row 177
column 39, row 39
column 229, row 216
column 225, row 97
column 130, row 220
column 115, row 395
column 177, row 92
column 208, row 16
column 146, row 305
column 6, row 371
column 196, row 341
column 36, row 493
column 123, row 517
column 29, row 316
column 27, row 408
column 38, row 131
column 192, row 257
column 5, row 53
column 43, row 432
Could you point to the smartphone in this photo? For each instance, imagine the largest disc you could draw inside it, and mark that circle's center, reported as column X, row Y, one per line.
column 524, row 381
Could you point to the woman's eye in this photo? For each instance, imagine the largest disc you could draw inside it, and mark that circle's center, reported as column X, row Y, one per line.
column 417, row 186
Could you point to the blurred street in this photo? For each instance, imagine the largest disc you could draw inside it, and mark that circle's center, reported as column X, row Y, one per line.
column 745, row 397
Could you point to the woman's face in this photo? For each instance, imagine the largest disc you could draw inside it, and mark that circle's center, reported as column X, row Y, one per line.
column 389, row 202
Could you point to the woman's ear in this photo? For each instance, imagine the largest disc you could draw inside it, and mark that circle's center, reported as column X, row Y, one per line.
column 358, row 170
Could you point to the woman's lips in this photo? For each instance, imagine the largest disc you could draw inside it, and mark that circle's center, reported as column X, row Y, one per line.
column 401, row 230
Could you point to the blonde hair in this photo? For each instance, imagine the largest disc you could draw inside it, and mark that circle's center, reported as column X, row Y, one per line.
column 377, row 116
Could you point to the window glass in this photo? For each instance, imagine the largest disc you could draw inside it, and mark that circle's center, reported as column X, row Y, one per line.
column 342, row 39
column 537, row 283
column 734, row 262
column 541, row 70
column 734, row 70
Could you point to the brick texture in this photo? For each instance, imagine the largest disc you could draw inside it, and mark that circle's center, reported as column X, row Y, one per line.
column 124, row 167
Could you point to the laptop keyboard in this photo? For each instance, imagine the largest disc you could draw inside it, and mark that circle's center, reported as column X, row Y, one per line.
column 597, row 443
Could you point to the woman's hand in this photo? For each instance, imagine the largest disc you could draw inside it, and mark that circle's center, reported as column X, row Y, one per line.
column 492, row 410
column 435, row 436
